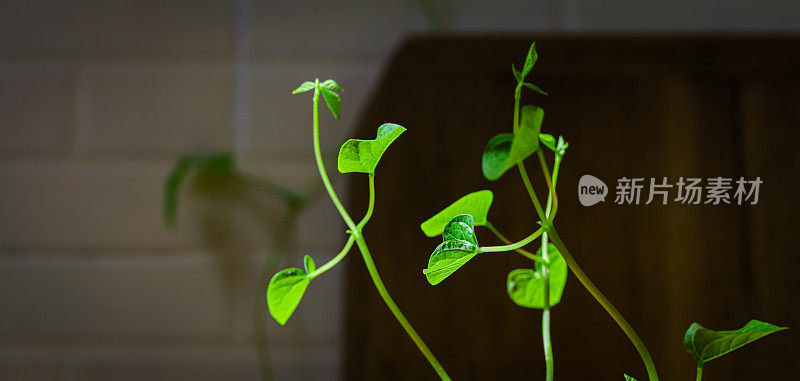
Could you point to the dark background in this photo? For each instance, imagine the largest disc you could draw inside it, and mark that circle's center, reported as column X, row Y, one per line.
column 630, row 106
column 100, row 98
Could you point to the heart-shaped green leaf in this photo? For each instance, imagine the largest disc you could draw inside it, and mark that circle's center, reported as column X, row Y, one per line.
column 504, row 151
column 284, row 292
column 476, row 204
column 459, row 246
column 363, row 155
column 526, row 286
column 705, row 344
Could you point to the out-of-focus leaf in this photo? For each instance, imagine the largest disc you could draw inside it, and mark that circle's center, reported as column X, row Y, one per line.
column 216, row 164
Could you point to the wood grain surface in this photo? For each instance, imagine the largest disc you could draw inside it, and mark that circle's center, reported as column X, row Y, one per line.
column 641, row 106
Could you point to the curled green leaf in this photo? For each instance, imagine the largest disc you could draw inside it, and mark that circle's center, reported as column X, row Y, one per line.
column 504, row 151
column 535, row 88
column 331, row 85
column 476, row 204
column 516, row 73
column 548, row 140
column 333, row 100
column 308, row 264
column 305, row 86
column 526, row 286
column 705, row 344
column 530, row 60
column 458, row 247
column 363, row 155
column 284, row 292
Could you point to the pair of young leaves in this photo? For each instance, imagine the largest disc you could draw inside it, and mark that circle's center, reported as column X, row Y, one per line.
column 456, row 224
column 705, row 344
column 504, row 151
column 287, row 287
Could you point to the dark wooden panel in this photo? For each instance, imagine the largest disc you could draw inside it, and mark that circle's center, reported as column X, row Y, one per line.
column 637, row 107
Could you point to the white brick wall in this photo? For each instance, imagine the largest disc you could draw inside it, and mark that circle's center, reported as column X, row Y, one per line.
column 98, row 97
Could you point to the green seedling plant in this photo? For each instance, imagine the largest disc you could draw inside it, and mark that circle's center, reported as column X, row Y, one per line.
column 541, row 287
column 287, row 287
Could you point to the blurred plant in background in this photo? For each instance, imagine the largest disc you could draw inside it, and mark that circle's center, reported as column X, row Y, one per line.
column 216, row 177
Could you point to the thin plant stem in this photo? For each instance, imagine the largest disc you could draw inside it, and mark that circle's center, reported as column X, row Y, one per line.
column 334, row 260
column 552, row 197
column 517, row 93
column 623, row 324
column 352, row 239
column 513, row 246
column 321, row 166
column 699, row 372
column 355, row 232
column 371, row 206
column 551, row 201
column 523, row 252
column 268, row 187
column 384, row 293
column 373, row 273
column 527, row 181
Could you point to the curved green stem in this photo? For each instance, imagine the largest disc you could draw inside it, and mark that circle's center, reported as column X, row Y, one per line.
column 513, row 246
column 517, row 93
column 550, row 211
column 699, row 372
column 357, row 235
column 268, row 187
column 626, row 327
column 527, row 181
column 523, row 252
column 352, row 239
column 552, row 197
column 373, row 273
column 321, row 166
column 371, row 206
column 334, row 260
